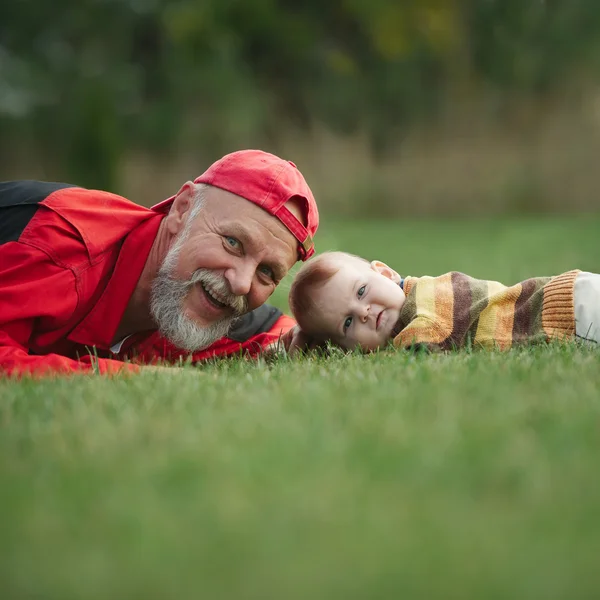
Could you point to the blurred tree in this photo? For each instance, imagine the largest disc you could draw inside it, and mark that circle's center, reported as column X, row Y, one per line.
column 85, row 80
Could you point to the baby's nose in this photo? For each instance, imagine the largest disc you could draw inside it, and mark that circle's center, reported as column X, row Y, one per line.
column 365, row 313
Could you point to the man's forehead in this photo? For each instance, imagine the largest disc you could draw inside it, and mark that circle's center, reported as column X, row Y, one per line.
column 235, row 208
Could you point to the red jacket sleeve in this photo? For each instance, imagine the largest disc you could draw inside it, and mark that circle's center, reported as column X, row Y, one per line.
column 36, row 294
column 156, row 348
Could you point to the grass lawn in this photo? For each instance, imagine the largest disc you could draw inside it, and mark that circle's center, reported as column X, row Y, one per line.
column 382, row 476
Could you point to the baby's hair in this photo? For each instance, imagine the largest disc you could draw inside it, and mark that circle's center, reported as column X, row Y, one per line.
column 313, row 275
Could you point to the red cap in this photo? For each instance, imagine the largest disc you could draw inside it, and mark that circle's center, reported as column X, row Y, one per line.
column 270, row 182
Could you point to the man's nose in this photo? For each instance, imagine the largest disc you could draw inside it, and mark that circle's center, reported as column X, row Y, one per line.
column 240, row 278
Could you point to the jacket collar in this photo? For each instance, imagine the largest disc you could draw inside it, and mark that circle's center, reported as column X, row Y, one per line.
column 99, row 326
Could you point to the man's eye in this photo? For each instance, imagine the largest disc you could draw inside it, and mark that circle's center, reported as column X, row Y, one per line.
column 347, row 323
column 231, row 241
column 266, row 270
column 361, row 291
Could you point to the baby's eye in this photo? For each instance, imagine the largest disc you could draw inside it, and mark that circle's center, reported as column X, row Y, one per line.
column 361, row 291
column 347, row 323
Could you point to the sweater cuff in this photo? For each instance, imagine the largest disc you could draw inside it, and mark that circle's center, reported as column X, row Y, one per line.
column 558, row 308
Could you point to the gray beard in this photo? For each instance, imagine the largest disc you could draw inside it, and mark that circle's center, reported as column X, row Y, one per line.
column 166, row 305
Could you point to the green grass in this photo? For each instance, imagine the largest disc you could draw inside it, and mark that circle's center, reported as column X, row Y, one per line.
column 385, row 476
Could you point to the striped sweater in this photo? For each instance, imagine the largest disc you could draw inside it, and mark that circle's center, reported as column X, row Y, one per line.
column 455, row 310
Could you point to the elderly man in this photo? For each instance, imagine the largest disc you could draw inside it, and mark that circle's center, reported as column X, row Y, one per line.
column 89, row 279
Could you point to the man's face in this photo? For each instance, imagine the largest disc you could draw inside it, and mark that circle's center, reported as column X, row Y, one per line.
column 359, row 305
column 225, row 261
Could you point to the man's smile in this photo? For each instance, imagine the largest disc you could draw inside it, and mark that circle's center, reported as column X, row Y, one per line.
column 214, row 297
column 209, row 305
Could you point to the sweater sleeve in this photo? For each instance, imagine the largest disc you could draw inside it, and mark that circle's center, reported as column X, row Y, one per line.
column 35, row 291
column 421, row 333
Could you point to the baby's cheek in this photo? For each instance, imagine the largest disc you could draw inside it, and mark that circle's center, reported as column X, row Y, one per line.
column 365, row 341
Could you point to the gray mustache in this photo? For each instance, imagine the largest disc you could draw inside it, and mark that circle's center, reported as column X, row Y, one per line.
column 239, row 304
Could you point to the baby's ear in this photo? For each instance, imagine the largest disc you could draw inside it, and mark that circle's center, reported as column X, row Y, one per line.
column 386, row 271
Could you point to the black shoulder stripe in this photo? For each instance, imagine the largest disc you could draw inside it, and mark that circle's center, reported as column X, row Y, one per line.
column 15, row 193
column 258, row 321
column 13, row 221
column 19, row 201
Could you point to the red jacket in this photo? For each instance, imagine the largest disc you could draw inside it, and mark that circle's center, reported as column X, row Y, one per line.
column 69, row 261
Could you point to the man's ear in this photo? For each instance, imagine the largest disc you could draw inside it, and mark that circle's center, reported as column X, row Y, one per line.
column 180, row 209
column 386, row 271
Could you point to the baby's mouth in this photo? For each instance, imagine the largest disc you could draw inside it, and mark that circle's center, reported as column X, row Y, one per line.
column 378, row 321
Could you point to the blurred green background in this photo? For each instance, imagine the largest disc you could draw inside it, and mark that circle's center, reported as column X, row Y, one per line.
column 389, row 107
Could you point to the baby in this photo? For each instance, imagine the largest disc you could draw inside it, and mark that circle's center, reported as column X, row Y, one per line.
column 352, row 302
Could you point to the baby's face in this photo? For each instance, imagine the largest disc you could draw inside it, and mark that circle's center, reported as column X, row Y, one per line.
column 360, row 304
